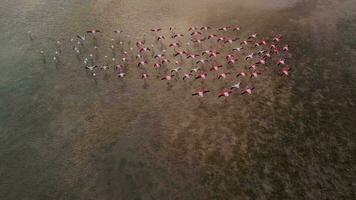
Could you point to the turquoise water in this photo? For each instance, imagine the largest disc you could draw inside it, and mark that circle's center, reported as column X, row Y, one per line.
column 65, row 136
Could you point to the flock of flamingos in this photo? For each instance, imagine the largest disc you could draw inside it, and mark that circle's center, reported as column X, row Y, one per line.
column 199, row 56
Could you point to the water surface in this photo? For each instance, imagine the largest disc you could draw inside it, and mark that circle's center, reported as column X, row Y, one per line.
column 65, row 136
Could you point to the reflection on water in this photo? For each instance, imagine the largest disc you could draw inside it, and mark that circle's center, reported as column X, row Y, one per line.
column 64, row 136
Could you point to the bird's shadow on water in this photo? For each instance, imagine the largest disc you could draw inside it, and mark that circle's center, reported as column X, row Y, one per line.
column 145, row 85
column 169, row 87
column 78, row 58
column 57, row 63
column 122, row 84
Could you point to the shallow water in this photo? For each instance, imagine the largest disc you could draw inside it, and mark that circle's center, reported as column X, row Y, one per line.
column 64, row 135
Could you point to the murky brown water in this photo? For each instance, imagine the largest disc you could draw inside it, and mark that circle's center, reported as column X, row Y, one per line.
column 65, row 136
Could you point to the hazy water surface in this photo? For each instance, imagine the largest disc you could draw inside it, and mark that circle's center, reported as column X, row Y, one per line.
column 65, row 135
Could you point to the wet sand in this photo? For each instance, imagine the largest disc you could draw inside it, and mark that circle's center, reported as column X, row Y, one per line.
column 64, row 136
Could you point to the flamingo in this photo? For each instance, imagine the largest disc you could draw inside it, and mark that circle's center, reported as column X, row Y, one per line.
column 226, row 28
column 245, row 42
column 202, row 76
column 262, row 62
column 156, row 30
column 195, row 33
column 140, row 43
column 165, row 61
column 254, row 67
column 145, row 49
column 179, row 53
column 286, row 48
column 206, row 52
column 252, row 36
column 276, row 51
column 261, row 52
column 211, row 36
column 257, row 44
column 200, row 93
column 232, row 61
column 263, row 42
column 121, row 75
column 104, row 67
column 118, row 31
column 177, row 35
column 202, row 61
column 176, row 44
column 223, row 75
column 221, row 39
column 157, row 65
column 94, row 31
column 236, row 28
column 187, row 76
column 241, row 74
column 215, row 67
column 230, row 41
column 144, row 76
column 255, row 74
column 118, row 67
column 250, row 56
column 214, row 54
column 159, row 56
column 195, row 70
column 229, row 57
column 248, row 90
column 266, row 56
column 238, row 49
column 138, row 56
column 91, row 68
column 199, row 41
column 192, row 56
column 285, row 71
column 175, row 70
column 160, row 38
column 273, row 46
column 142, row 63
column 282, row 62
column 205, row 28
column 225, row 93
column 235, row 86
column 81, row 37
column 192, row 28
column 168, row 77
column 75, row 49
column 277, row 38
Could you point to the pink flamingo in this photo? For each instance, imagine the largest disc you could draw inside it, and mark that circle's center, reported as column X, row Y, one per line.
column 211, row 36
column 143, row 63
column 200, row 93
column 144, row 76
column 187, row 76
column 226, row 28
column 285, row 71
column 223, row 75
column 225, row 93
column 248, row 90
column 94, row 31
column 202, row 76
column 215, row 67
column 255, row 74
column 241, row 74
column 168, row 77
column 177, row 35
